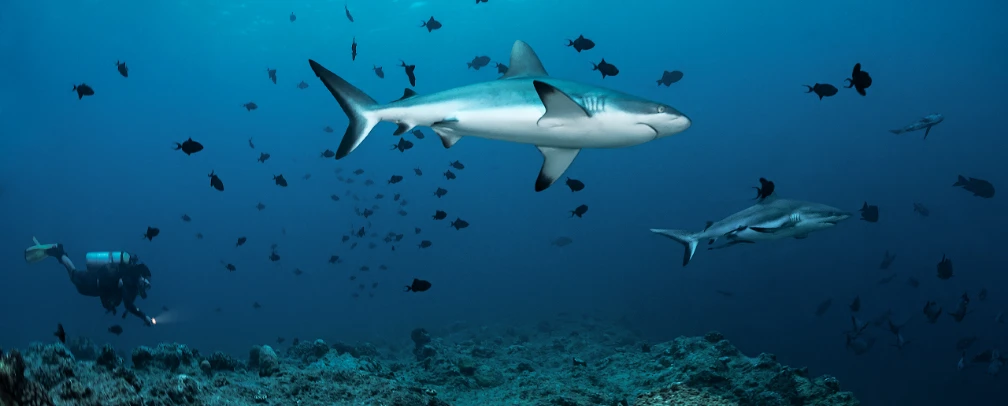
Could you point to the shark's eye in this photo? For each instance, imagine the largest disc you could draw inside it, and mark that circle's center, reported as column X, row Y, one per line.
column 661, row 109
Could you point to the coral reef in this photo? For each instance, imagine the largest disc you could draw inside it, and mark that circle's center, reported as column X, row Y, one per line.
column 559, row 363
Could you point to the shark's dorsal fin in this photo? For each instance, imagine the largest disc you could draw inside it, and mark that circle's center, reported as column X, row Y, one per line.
column 407, row 93
column 524, row 62
column 709, row 223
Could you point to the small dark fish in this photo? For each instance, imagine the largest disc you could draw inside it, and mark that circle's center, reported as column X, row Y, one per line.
column 230, row 267
column 607, row 69
column 328, row 129
column 459, row 224
column 579, row 211
column 279, row 180
column 431, row 24
column 151, row 233
column 123, row 70
column 887, row 260
column 418, row 285
column 334, row 259
column 945, row 270
column 403, row 145
column 822, row 90
column 764, row 190
column 440, row 192
column 368, row 182
column 979, row 187
column 440, row 215
column 303, row 85
column 83, row 90
column 457, row 165
column 186, row 218
column 395, row 179
column 855, row 306
column 241, row 241
column 280, row 340
column 823, row 307
column 272, row 74
column 395, row 197
column 328, row 153
column 416, row 230
column 215, row 181
column 449, row 175
column 199, row 236
column 562, row 241
column 417, row 171
column 859, row 80
column 250, row 106
column 116, row 329
column 347, row 10
column 255, row 305
column 501, row 68
column 293, row 17
column 260, row 206
column 920, row 209
column 379, row 196
column 358, row 171
column 479, row 62
column 298, row 272
column 251, row 145
column 189, row 146
column 353, row 50
column 575, row 185
column 668, row 78
column 334, row 197
column 274, row 257
column 263, row 157
column 581, row 44
column 365, row 268
column 345, row 238
column 409, row 72
column 60, row 333
column 869, row 213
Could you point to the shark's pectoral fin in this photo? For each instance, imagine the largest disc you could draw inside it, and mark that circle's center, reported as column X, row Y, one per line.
column 560, row 108
column 402, row 128
column 448, row 136
column 524, row 62
column 928, row 130
column 766, row 230
column 801, row 236
column 555, row 163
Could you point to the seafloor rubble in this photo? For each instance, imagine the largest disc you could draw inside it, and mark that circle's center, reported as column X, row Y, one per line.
column 560, row 363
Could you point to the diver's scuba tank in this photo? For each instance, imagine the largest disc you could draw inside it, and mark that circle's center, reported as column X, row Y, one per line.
column 109, row 260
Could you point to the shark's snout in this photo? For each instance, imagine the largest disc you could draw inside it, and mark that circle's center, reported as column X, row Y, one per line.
column 671, row 122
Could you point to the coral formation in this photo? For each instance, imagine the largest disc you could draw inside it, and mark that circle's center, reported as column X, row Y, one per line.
column 566, row 363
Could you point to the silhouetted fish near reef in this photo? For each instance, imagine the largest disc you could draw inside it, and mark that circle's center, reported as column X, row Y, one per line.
column 189, row 146
column 293, row 17
column 151, row 233
column 979, row 187
column 215, row 181
column 302, row 85
column 859, row 80
column 575, row 185
column 459, row 223
column 83, row 90
column 409, row 72
column 581, row 43
column 272, row 74
column 353, row 50
column 479, row 62
column 123, row 70
column 60, row 333
column 431, row 24
column 116, row 329
column 418, row 285
column 668, row 78
column 869, row 213
column 279, row 180
column 579, row 211
column 606, row 68
column 822, row 90
column 378, row 71
column 765, row 189
column 250, row 106
column 348, row 15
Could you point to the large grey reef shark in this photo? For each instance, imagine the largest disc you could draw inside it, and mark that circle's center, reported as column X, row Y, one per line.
column 526, row 106
column 772, row 218
column 925, row 123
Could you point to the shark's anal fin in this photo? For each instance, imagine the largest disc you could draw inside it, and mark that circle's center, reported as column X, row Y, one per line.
column 448, row 137
column 555, row 163
column 560, row 108
column 928, row 130
column 524, row 62
column 402, row 128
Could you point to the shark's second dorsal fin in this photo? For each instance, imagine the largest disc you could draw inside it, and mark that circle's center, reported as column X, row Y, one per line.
column 524, row 62
column 407, row 93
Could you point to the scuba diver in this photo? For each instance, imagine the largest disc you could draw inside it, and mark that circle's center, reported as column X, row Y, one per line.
column 114, row 277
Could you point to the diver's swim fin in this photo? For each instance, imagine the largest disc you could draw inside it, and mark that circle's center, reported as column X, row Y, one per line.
column 37, row 252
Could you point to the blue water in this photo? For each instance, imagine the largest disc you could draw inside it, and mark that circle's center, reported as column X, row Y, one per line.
column 94, row 173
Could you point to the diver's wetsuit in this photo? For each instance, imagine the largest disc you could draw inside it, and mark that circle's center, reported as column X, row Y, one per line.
column 114, row 277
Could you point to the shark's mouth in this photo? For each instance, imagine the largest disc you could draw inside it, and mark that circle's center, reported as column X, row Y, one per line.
column 655, row 130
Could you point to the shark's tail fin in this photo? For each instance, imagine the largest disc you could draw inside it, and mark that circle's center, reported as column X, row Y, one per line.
column 687, row 239
column 356, row 104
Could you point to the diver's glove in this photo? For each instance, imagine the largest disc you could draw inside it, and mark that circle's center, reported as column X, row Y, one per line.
column 56, row 251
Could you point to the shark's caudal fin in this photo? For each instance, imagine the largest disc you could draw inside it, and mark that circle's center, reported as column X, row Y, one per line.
column 356, row 104
column 686, row 238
